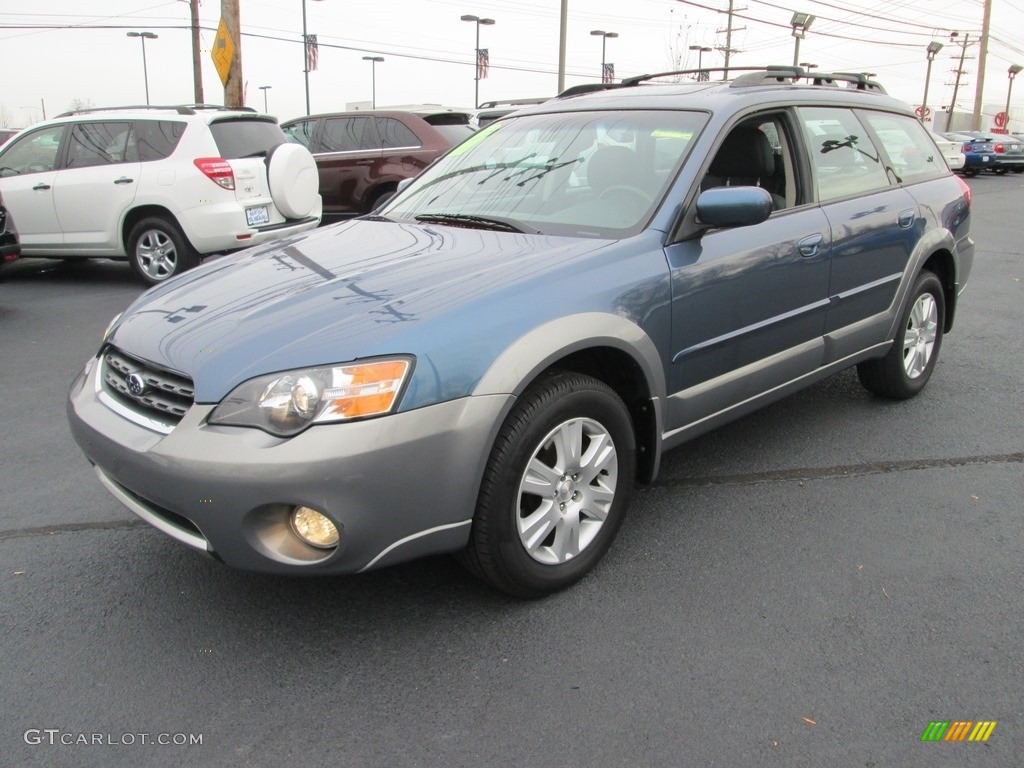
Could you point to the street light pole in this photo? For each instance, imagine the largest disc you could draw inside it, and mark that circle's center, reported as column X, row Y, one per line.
column 265, row 88
column 701, row 50
column 305, row 53
column 145, row 71
column 933, row 48
column 604, row 39
column 373, row 78
column 800, row 23
column 476, row 70
column 1013, row 71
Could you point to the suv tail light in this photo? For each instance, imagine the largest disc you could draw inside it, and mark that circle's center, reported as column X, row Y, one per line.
column 218, row 170
column 1000, row 148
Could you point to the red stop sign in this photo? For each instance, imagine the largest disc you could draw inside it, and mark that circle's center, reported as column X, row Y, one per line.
column 1000, row 119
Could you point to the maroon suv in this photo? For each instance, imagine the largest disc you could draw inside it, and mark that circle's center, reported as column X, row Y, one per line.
column 363, row 155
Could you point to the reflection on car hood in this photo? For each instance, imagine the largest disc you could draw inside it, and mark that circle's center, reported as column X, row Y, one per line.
column 336, row 294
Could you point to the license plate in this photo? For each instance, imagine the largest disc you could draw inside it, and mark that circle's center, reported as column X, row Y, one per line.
column 256, row 216
column 984, row 159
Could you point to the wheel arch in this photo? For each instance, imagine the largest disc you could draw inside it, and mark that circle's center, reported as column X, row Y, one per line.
column 135, row 215
column 609, row 348
column 942, row 264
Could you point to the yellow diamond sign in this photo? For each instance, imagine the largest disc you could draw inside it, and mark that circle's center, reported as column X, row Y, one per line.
column 223, row 52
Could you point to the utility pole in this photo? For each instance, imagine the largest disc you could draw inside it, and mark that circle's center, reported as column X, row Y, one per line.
column 563, row 26
column 956, row 86
column 979, row 91
column 728, row 49
column 233, row 96
column 197, row 70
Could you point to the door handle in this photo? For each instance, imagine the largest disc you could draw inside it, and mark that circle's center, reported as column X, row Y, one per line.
column 906, row 219
column 365, row 162
column 123, row 180
column 809, row 245
column 41, row 186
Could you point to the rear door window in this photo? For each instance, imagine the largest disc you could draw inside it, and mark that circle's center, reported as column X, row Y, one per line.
column 845, row 161
column 246, row 137
column 93, row 144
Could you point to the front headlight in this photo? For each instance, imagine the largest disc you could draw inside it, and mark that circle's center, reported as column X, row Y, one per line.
column 286, row 403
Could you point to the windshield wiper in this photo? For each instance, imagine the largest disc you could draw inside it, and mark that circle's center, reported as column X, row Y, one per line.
column 499, row 224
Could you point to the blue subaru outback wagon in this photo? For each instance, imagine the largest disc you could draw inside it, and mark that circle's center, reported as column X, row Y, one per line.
column 487, row 364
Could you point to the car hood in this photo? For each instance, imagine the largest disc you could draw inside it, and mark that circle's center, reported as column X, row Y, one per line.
column 358, row 289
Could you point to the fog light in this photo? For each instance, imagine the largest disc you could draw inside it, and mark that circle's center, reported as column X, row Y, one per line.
column 314, row 528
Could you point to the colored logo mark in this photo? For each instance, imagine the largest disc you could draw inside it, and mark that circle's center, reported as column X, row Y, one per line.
column 958, row 730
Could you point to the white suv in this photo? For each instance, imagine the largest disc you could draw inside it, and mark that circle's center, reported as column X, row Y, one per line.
column 159, row 186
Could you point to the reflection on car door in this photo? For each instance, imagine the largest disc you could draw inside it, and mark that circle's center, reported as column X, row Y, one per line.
column 746, row 317
column 28, row 171
column 97, row 185
column 348, row 154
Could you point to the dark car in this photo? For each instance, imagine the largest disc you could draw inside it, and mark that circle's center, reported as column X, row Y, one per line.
column 1009, row 151
column 9, row 247
column 488, row 363
column 7, row 133
column 979, row 153
column 362, row 156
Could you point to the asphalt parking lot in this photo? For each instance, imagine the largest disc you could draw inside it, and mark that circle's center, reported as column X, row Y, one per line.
column 809, row 586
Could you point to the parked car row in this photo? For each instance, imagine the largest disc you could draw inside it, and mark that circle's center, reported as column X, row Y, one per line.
column 998, row 153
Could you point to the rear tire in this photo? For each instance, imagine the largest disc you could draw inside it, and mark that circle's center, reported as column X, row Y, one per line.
column 157, row 250
column 556, row 487
column 909, row 363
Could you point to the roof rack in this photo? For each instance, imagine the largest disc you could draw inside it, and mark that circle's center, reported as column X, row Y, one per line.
column 181, row 109
column 751, row 76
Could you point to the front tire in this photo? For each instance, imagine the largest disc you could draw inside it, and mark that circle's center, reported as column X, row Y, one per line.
column 158, row 250
column 909, row 363
column 556, row 487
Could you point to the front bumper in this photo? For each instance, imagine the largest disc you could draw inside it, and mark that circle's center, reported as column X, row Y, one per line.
column 398, row 487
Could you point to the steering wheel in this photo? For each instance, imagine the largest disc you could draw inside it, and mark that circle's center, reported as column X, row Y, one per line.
column 615, row 190
column 38, row 167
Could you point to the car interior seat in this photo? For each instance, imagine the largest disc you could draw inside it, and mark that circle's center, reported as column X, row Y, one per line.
column 745, row 159
column 614, row 167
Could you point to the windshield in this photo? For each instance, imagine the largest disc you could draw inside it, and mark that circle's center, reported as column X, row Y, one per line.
column 586, row 174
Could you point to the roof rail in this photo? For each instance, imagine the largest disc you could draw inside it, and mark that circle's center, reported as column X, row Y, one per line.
column 576, row 90
column 751, row 76
column 512, row 103
column 181, row 109
column 642, row 78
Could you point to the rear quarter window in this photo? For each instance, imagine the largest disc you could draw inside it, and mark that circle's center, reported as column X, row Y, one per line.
column 912, row 154
column 246, row 137
column 155, row 139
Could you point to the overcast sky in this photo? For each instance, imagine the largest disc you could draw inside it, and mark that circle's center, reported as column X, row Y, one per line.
column 428, row 50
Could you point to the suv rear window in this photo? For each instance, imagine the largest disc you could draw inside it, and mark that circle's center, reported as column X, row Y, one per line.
column 246, row 138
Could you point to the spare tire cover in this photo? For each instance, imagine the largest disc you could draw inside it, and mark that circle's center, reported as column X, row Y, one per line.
column 294, row 180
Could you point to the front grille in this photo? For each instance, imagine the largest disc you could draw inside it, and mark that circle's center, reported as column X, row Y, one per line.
column 162, row 395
